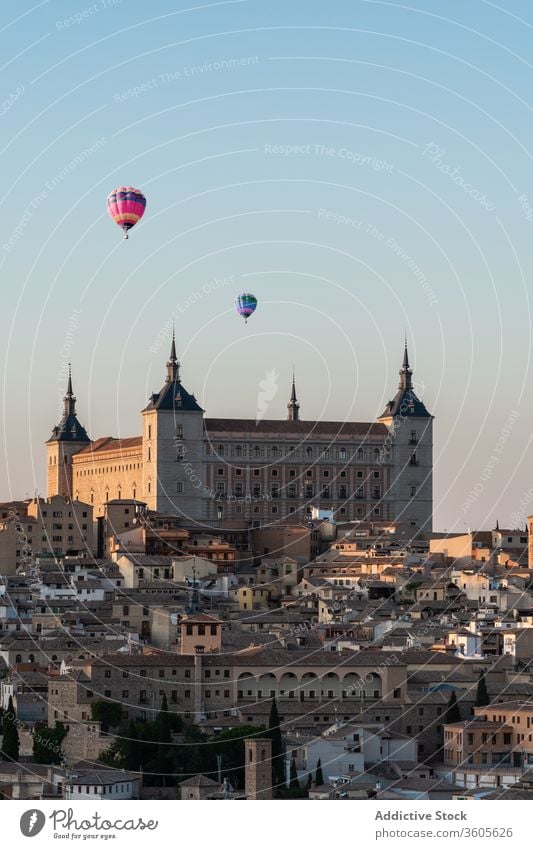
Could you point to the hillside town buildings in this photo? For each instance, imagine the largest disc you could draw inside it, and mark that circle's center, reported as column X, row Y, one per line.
column 300, row 580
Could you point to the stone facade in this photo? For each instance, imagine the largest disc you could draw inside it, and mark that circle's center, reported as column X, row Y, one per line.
column 255, row 472
column 258, row 768
column 201, row 686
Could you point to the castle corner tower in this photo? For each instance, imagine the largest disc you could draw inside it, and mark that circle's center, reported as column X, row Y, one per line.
column 68, row 437
column 173, row 448
column 410, row 446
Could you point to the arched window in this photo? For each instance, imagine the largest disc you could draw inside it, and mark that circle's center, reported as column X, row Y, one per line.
column 18, row 658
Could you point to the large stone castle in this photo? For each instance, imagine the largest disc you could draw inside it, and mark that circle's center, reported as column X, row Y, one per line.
column 260, row 472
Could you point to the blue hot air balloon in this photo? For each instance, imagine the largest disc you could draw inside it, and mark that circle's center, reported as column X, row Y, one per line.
column 245, row 305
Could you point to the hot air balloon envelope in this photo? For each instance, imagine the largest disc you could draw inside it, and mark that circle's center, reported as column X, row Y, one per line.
column 126, row 206
column 245, row 305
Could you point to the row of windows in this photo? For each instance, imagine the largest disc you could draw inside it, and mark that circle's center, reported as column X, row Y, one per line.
column 107, row 496
column 309, row 491
column 342, row 511
column 161, row 673
column 106, row 791
column 308, row 451
column 125, row 467
column 309, row 473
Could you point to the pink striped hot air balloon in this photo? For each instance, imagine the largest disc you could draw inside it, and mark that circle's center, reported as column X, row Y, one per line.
column 126, row 206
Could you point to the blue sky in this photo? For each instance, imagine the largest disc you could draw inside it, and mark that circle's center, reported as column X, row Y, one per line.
column 365, row 168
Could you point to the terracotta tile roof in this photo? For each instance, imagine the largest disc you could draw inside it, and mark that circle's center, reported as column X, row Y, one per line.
column 110, row 443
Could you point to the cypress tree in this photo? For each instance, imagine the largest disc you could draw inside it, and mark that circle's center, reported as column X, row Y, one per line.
column 452, row 712
column 164, row 721
column 132, row 749
column 274, row 732
column 294, row 784
column 162, row 760
column 482, row 695
column 319, row 777
column 10, row 742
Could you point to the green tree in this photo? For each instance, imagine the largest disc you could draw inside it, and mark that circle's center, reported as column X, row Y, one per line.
column 163, row 765
column 482, row 695
column 274, row 732
column 229, row 747
column 47, row 744
column 108, row 714
column 131, row 749
column 294, row 784
column 453, row 713
column 319, row 777
column 10, row 740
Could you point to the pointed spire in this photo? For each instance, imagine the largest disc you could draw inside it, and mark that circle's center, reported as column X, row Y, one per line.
column 69, row 399
column 69, row 429
column 405, row 371
column 293, row 405
column 70, row 393
column 173, row 366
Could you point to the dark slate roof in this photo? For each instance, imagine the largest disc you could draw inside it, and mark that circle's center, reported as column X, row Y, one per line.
column 173, row 396
column 296, row 428
column 69, row 430
column 406, row 403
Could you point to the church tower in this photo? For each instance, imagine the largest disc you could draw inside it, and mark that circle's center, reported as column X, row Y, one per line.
column 293, row 406
column 173, row 448
column 68, row 437
column 410, row 443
